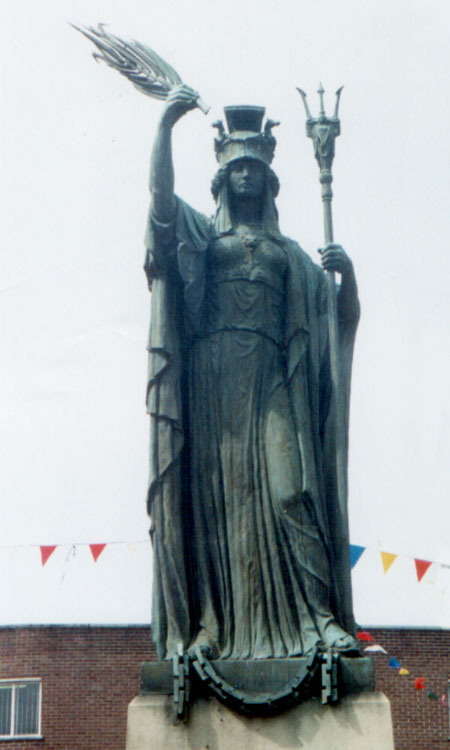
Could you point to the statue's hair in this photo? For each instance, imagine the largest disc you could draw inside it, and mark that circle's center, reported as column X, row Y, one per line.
column 221, row 177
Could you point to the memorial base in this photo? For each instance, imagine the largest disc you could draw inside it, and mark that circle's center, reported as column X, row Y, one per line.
column 358, row 722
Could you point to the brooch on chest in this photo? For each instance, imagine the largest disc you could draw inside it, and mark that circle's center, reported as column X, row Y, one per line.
column 250, row 242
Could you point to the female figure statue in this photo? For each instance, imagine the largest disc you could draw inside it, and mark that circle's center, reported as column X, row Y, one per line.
column 242, row 486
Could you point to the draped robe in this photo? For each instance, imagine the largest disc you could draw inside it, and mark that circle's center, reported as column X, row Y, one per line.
column 246, row 528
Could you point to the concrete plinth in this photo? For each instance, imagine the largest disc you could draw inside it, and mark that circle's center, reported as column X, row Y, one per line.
column 358, row 722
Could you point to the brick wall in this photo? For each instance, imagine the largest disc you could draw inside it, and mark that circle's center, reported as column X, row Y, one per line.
column 420, row 723
column 90, row 674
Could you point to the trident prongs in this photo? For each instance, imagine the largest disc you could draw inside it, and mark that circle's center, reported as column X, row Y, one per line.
column 323, row 131
column 322, row 116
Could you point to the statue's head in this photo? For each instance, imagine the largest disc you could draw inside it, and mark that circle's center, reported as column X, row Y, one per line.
column 245, row 154
column 245, row 171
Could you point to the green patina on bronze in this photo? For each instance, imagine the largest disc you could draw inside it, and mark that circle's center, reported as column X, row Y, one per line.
column 250, row 354
column 243, row 486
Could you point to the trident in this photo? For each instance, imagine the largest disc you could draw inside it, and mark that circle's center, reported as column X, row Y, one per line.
column 323, row 130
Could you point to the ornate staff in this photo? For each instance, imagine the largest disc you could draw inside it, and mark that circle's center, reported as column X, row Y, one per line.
column 323, row 130
column 148, row 72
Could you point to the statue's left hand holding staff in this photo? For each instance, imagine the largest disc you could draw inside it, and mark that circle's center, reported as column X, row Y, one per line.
column 335, row 259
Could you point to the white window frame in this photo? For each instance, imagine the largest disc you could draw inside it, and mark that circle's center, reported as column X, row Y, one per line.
column 14, row 684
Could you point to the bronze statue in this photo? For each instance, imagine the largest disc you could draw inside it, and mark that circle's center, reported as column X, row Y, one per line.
column 243, row 487
column 250, row 354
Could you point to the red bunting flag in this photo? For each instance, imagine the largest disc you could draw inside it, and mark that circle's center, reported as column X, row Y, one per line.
column 96, row 550
column 363, row 635
column 46, row 551
column 421, row 568
column 419, row 683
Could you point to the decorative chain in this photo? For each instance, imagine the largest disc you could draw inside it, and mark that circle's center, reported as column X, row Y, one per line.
column 303, row 686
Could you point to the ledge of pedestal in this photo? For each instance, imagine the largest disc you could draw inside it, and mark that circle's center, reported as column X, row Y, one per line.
column 358, row 722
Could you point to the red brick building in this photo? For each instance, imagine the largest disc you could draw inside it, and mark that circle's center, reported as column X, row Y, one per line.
column 88, row 675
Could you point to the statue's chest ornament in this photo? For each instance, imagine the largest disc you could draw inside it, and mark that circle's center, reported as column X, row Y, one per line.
column 250, row 242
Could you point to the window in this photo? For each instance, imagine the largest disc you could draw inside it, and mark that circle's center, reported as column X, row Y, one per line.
column 20, row 708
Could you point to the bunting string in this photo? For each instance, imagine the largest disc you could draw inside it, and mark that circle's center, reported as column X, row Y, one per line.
column 96, row 549
column 388, row 559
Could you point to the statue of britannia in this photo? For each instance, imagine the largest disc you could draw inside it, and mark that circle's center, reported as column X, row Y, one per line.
column 242, row 492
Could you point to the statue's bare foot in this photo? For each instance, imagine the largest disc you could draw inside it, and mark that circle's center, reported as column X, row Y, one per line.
column 337, row 639
column 313, row 645
column 205, row 642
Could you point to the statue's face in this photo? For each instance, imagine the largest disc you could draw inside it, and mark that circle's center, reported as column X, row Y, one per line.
column 246, row 178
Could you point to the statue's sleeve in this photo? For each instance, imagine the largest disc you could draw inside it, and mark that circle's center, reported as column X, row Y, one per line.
column 177, row 246
column 177, row 252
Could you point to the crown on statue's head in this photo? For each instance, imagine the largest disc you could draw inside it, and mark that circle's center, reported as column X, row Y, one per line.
column 244, row 139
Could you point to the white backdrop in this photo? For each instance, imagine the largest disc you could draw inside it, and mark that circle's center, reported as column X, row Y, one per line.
column 75, row 145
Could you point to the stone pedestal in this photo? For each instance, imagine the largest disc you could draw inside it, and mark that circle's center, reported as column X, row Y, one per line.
column 358, row 722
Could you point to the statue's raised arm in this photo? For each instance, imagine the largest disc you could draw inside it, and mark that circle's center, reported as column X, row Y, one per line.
column 179, row 101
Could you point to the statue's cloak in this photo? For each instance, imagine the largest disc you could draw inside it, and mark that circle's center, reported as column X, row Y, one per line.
column 175, row 265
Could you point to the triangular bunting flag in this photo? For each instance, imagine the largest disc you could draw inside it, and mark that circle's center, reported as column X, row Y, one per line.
column 363, row 635
column 432, row 695
column 443, row 700
column 46, row 551
column 419, row 683
column 403, row 671
column 421, row 568
column 96, row 550
column 376, row 648
column 393, row 663
column 355, row 554
column 387, row 558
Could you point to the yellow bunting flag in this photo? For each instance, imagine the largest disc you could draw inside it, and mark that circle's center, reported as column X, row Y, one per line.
column 387, row 559
column 403, row 671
